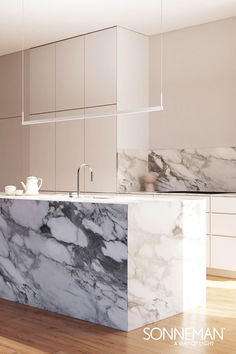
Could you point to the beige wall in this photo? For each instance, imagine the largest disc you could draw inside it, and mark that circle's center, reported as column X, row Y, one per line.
column 199, row 87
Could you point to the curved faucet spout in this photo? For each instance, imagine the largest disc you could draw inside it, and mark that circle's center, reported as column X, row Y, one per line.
column 78, row 173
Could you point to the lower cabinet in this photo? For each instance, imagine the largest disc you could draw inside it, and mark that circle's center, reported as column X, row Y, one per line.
column 54, row 151
column 69, row 152
column 208, row 251
column 58, row 149
column 42, row 152
column 223, row 224
column 223, row 253
column 223, row 233
column 100, row 150
column 13, row 152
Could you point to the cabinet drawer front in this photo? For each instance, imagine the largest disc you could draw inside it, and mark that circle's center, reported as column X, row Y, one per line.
column 223, row 205
column 208, row 251
column 223, row 224
column 223, row 251
column 208, row 223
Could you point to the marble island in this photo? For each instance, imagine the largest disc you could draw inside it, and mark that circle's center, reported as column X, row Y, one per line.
column 119, row 261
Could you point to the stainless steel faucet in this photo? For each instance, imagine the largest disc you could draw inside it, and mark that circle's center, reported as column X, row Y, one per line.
column 91, row 175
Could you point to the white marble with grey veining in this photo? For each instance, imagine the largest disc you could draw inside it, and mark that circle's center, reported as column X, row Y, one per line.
column 167, row 265
column 206, row 169
column 71, row 257
column 132, row 165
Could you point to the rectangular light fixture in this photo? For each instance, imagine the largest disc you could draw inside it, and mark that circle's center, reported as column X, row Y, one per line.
column 91, row 116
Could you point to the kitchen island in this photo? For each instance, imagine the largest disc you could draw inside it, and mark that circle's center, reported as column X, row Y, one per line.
column 119, row 261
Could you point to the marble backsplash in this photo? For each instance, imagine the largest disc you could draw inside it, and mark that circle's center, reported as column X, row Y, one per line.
column 132, row 165
column 205, row 169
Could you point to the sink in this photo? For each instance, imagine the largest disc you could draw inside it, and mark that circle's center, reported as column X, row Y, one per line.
column 89, row 197
column 95, row 197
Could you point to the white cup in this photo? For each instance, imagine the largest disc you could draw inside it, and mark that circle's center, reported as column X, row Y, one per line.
column 19, row 192
column 10, row 190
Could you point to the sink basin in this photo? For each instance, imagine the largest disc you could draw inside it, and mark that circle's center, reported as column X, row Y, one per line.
column 90, row 197
column 95, row 197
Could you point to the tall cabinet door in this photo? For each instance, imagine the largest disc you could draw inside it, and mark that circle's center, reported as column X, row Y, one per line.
column 69, row 152
column 13, row 152
column 70, row 74
column 100, row 68
column 42, row 79
column 42, row 152
column 100, row 150
column 10, row 85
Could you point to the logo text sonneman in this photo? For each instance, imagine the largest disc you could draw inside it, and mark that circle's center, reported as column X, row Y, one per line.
column 184, row 334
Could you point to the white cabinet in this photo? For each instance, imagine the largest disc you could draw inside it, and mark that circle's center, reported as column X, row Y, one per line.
column 223, row 233
column 42, row 153
column 208, row 223
column 223, row 205
column 10, row 85
column 100, row 150
column 223, row 253
column 223, row 224
column 208, row 236
column 70, row 74
column 42, row 79
column 100, row 68
column 208, row 251
column 13, row 152
column 69, row 152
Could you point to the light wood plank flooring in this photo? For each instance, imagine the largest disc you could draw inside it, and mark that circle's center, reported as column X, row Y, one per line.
column 24, row 330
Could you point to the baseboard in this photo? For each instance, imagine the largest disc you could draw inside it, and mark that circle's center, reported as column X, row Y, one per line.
column 221, row 273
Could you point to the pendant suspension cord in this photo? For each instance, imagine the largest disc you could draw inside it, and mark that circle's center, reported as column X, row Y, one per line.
column 161, row 48
column 22, row 61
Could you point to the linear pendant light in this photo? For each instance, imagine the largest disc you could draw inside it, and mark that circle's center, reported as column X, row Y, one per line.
column 91, row 116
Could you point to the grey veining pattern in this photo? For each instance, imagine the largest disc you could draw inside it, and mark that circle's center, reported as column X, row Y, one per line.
column 70, row 258
column 132, row 165
column 167, row 262
column 206, row 169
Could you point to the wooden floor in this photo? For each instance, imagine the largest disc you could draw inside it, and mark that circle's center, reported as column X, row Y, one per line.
column 24, row 330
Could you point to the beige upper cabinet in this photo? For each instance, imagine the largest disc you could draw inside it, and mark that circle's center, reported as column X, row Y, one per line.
column 10, row 85
column 70, row 74
column 132, row 69
column 75, row 73
column 100, row 150
column 100, row 68
column 42, row 79
column 69, row 152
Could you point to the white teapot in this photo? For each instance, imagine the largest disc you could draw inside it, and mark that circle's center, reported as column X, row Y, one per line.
column 33, row 185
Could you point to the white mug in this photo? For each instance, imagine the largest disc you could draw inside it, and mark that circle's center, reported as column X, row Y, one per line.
column 10, row 190
column 19, row 192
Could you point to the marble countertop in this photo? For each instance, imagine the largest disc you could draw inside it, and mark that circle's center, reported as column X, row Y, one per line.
column 224, row 194
column 91, row 259
column 105, row 198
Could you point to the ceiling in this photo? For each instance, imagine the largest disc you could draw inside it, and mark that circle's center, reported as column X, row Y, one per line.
column 50, row 20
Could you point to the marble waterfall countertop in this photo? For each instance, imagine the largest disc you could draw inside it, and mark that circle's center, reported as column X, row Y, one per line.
column 120, row 261
column 112, row 198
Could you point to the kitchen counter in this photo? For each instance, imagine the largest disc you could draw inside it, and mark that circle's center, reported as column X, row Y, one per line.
column 120, row 261
column 102, row 197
